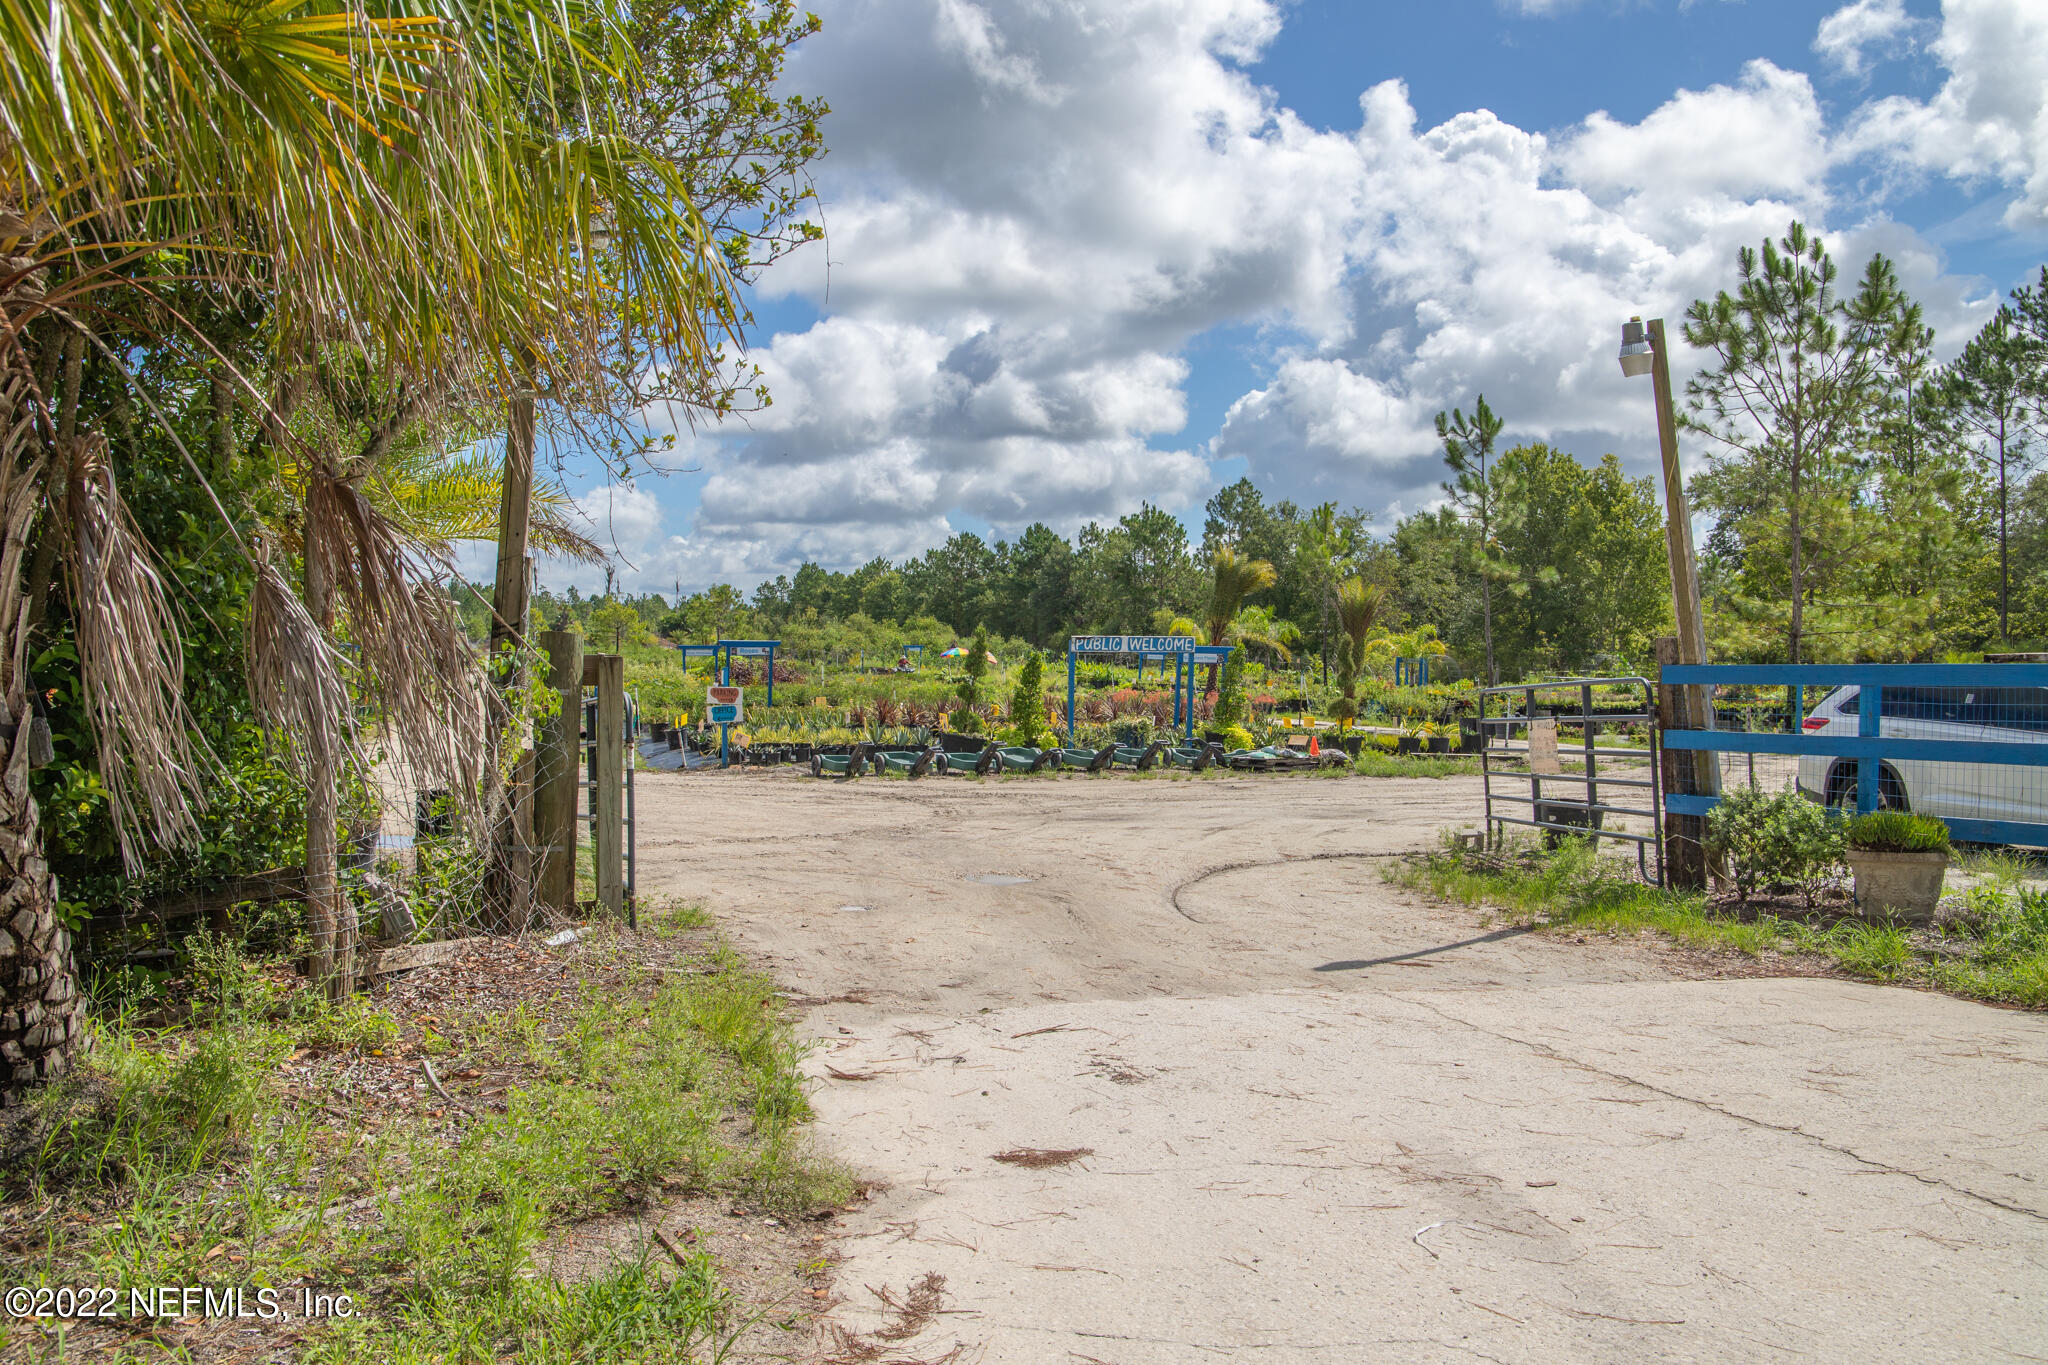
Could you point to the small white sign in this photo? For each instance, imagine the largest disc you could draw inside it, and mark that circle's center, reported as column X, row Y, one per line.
column 1543, row 746
column 722, row 705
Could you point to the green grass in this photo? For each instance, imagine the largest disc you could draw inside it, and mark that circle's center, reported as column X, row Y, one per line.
column 1995, row 948
column 199, row 1159
column 1373, row 763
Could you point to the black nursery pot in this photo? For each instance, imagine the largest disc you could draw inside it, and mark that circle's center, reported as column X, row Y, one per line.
column 1439, row 744
column 1407, row 744
column 675, row 739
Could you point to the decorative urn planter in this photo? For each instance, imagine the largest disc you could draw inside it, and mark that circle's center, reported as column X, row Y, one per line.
column 1903, row 886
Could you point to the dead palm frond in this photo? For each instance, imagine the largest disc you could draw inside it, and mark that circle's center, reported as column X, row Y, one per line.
column 295, row 675
column 416, row 666
column 130, row 660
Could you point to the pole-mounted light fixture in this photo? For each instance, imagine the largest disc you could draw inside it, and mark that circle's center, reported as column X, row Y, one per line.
column 1637, row 355
column 1690, row 773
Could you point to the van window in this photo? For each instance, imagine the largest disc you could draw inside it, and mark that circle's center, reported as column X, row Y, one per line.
column 2009, row 708
column 1915, row 703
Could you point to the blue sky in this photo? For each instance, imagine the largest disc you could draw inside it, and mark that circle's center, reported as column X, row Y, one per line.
column 1088, row 255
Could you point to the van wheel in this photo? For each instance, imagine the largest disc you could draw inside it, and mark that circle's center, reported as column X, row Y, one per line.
column 1891, row 793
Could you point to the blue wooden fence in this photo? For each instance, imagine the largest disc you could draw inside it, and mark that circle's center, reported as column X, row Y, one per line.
column 1868, row 746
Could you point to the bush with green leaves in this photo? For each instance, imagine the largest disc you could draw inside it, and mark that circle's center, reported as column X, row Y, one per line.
column 1771, row 839
column 1897, row 831
column 966, row 719
column 1231, row 710
column 1027, row 703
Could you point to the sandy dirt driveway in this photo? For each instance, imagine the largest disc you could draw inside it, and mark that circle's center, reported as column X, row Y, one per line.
column 1320, row 1120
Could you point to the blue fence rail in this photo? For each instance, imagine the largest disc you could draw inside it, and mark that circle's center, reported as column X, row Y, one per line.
column 1948, row 718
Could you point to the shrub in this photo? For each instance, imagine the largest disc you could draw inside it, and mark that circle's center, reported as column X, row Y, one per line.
column 1230, row 703
column 1774, row 838
column 1897, row 831
column 1027, row 705
column 1236, row 737
column 967, row 717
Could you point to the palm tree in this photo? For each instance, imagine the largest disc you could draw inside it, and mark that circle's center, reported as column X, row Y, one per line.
column 1359, row 605
column 1257, row 628
column 371, row 179
column 1235, row 577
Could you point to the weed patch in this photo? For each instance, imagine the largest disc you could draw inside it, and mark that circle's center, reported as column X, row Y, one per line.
column 1992, row 943
column 255, row 1135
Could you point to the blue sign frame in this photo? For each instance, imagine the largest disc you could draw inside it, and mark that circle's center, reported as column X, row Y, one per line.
column 723, row 652
column 1186, row 652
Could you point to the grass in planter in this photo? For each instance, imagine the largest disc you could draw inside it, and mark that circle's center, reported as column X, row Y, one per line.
column 1994, row 946
column 199, row 1158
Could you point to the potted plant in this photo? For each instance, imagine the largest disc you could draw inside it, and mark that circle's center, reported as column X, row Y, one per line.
column 1439, row 739
column 1899, row 860
column 1411, row 738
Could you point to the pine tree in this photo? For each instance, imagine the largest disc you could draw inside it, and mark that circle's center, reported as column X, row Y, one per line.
column 1468, row 448
column 1786, row 400
column 1997, row 391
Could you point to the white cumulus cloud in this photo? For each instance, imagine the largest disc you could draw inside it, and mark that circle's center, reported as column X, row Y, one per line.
column 1035, row 207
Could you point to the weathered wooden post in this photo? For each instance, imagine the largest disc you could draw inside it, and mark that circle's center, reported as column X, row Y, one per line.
column 608, row 797
column 556, row 773
column 509, row 888
column 1684, row 774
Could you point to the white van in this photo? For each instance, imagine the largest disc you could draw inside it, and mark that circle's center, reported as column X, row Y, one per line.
column 1955, row 791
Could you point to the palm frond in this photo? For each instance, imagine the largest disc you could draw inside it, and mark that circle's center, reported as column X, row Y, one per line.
column 130, row 661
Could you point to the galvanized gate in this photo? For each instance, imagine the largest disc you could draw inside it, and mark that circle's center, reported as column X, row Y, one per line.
column 1525, row 729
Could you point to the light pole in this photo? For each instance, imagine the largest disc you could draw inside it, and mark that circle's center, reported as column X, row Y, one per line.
column 1643, row 351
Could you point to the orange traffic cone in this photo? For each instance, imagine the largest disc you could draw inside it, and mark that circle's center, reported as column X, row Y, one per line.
column 1314, row 749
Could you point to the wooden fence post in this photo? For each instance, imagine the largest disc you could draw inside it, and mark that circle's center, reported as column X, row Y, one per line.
column 557, row 771
column 1685, row 854
column 607, row 801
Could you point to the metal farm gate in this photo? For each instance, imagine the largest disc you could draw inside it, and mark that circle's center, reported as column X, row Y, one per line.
column 1547, row 735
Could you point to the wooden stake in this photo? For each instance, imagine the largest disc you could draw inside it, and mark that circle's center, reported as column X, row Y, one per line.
column 558, row 773
column 608, row 800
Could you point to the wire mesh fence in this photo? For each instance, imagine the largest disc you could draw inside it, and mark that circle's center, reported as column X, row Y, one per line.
column 1965, row 742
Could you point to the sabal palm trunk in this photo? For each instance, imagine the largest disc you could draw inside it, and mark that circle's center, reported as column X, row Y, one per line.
column 39, row 999
column 329, row 921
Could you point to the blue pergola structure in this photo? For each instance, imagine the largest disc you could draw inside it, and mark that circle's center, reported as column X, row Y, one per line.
column 1186, row 654
column 1412, row 672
